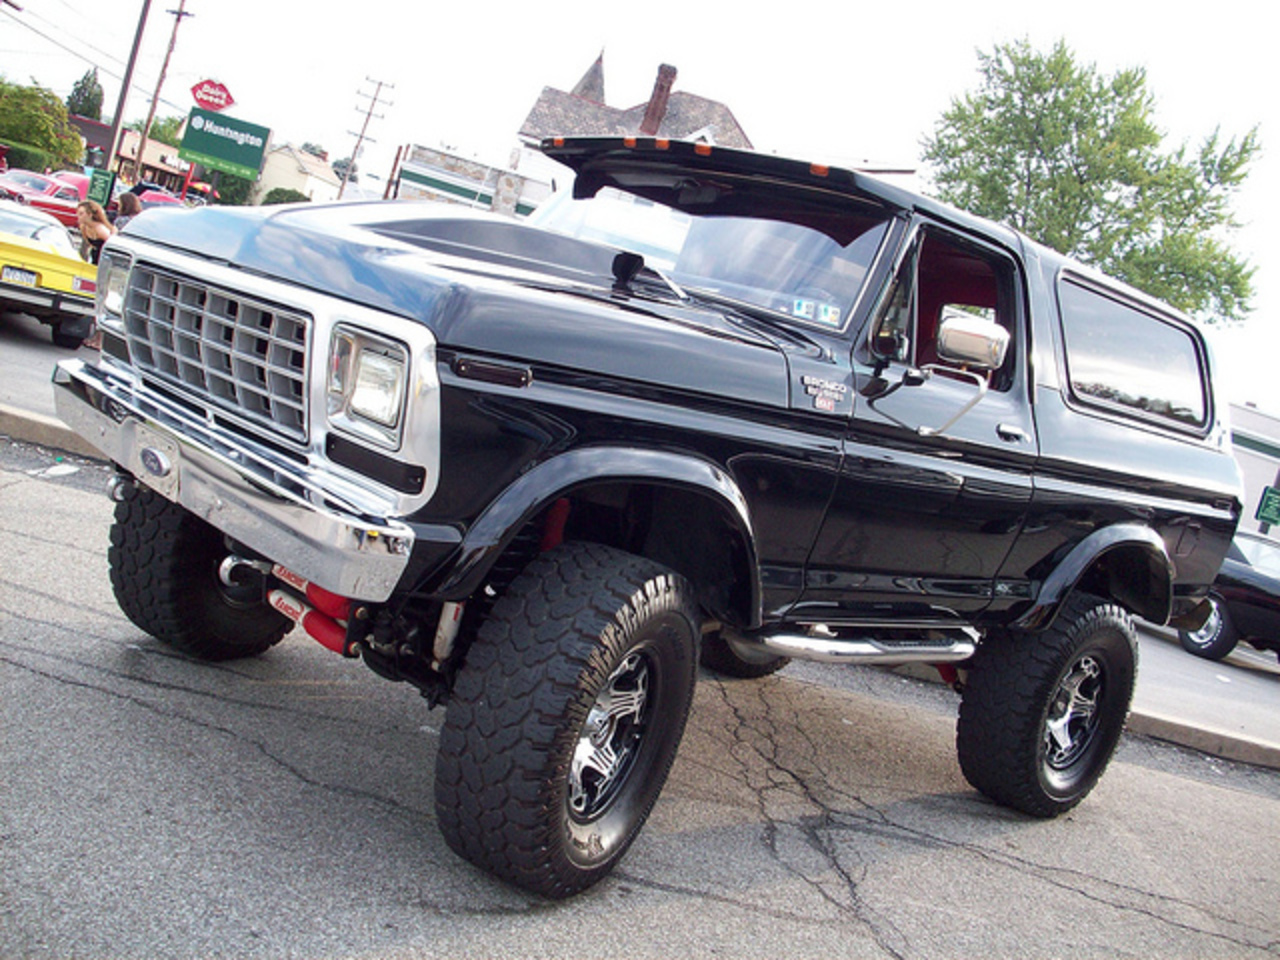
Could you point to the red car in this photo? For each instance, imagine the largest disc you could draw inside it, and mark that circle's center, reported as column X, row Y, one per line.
column 53, row 196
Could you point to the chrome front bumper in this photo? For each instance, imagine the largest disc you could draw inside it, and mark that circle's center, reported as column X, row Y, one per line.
column 266, row 502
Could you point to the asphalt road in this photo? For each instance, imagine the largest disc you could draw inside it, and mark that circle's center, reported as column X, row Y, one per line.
column 151, row 806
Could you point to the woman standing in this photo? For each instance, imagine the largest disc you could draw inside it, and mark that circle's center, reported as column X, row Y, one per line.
column 95, row 229
column 130, row 207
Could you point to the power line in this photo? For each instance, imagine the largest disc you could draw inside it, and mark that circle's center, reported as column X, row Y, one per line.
column 85, row 59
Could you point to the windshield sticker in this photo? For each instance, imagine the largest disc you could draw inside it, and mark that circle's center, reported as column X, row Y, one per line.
column 803, row 308
column 829, row 315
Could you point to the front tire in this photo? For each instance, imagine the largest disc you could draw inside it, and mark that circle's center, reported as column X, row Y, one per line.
column 1216, row 638
column 164, row 572
column 566, row 717
column 1041, row 714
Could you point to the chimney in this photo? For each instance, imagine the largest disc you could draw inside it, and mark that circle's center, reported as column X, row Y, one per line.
column 657, row 108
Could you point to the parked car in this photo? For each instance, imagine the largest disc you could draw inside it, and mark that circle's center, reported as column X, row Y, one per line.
column 1246, row 601
column 41, row 273
column 55, row 197
column 80, row 181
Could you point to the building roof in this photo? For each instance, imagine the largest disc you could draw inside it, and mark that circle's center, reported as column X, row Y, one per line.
column 686, row 116
column 591, row 86
column 308, row 163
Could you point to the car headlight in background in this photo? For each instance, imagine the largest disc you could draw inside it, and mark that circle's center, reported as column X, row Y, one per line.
column 113, row 279
column 366, row 391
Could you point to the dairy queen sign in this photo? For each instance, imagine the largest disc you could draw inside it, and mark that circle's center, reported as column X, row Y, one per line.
column 212, row 95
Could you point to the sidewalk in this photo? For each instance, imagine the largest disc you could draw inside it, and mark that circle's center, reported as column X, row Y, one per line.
column 1229, row 709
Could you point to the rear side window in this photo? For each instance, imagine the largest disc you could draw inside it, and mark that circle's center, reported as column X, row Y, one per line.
column 1125, row 358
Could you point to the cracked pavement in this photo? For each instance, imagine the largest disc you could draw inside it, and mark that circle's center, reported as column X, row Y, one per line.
column 151, row 806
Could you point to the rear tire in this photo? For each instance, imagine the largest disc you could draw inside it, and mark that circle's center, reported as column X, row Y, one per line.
column 1215, row 639
column 67, row 341
column 1042, row 713
column 164, row 571
column 566, row 717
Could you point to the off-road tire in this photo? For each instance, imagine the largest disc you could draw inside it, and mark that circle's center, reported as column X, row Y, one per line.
column 163, row 563
column 1017, row 689
column 1216, row 639
column 583, row 628
column 720, row 657
column 67, row 341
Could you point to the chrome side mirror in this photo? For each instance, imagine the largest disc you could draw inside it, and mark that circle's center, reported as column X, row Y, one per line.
column 971, row 340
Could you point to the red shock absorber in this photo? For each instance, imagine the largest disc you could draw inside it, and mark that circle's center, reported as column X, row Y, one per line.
column 553, row 529
column 323, row 614
column 328, row 603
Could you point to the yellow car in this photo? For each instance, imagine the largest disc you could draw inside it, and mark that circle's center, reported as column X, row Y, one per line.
column 41, row 273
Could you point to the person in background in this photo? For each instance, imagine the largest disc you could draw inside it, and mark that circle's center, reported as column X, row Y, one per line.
column 130, row 207
column 95, row 229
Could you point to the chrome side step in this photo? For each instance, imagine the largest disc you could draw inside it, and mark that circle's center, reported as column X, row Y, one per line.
column 821, row 645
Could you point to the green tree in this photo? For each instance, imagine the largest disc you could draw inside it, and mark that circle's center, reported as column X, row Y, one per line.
column 283, row 195
column 35, row 117
column 340, row 166
column 233, row 191
column 1074, row 159
column 85, row 99
column 314, row 149
column 163, row 129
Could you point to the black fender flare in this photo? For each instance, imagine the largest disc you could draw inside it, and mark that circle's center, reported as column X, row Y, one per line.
column 1069, row 571
column 551, row 479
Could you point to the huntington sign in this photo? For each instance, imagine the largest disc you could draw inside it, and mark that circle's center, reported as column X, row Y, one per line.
column 224, row 143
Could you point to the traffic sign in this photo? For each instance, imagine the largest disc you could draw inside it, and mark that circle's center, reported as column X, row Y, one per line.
column 1269, row 506
column 212, row 95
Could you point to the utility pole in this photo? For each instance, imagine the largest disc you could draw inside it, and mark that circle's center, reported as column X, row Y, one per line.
column 361, row 137
column 117, row 123
column 164, row 68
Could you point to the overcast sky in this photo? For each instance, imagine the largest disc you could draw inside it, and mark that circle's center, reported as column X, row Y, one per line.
column 816, row 80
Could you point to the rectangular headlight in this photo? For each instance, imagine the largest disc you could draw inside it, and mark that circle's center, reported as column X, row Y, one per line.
column 113, row 279
column 366, row 390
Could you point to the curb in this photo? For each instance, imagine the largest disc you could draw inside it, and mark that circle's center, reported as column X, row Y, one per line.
column 1219, row 743
column 1237, row 747
column 45, row 432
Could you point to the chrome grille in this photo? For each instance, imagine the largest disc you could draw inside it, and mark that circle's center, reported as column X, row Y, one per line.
column 237, row 353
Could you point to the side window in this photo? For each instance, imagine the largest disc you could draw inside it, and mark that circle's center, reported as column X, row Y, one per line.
column 1121, row 356
column 943, row 277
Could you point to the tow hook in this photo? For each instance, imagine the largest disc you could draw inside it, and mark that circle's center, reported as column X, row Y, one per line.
column 121, row 487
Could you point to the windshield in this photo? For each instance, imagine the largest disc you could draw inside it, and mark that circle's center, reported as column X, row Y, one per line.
column 783, row 265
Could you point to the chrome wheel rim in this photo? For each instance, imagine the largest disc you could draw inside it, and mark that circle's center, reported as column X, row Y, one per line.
column 1212, row 627
column 610, row 739
column 1073, row 714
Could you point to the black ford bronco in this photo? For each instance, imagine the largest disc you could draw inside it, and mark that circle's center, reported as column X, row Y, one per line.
column 714, row 406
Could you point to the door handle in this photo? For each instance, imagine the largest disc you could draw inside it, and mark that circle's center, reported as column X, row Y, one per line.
column 1011, row 434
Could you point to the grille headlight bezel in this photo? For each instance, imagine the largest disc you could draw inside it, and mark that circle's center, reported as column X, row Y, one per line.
column 113, row 285
column 367, row 385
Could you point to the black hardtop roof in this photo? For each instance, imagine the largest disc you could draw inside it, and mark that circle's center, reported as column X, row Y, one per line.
column 670, row 171
column 625, row 162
